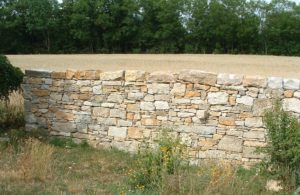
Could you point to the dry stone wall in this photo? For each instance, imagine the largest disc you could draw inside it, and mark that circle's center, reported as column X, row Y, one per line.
column 217, row 116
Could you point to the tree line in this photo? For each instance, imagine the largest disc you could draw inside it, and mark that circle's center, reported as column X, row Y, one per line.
column 150, row 26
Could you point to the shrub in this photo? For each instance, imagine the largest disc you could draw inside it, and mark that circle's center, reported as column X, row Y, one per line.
column 155, row 165
column 283, row 148
column 10, row 77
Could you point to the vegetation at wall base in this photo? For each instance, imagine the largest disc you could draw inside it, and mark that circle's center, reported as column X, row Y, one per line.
column 150, row 26
column 283, row 149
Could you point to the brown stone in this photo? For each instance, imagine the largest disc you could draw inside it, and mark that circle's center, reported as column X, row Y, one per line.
column 207, row 144
column 135, row 132
column 288, row 93
column 88, row 74
column 192, row 94
column 246, row 115
column 70, row 74
column 189, row 86
column 64, row 115
column 149, row 122
column 228, row 121
column 214, row 89
column 197, row 76
column 85, row 96
column 41, row 92
column 58, row 75
column 35, row 80
column 254, row 81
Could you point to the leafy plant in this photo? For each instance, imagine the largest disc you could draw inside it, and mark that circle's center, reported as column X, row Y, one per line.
column 284, row 145
column 10, row 77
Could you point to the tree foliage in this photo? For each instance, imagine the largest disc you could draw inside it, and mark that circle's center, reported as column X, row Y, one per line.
column 150, row 26
column 10, row 77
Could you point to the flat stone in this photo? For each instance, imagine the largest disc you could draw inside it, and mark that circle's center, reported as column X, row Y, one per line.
column 217, row 98
column 135, row 132
column 201, row 114
column 255, row 81
column 112, row 76
column 178, row 89
column 212, row 154
column 58, row 75
column 229, row 79
column 275, row 82
column 258, row 135
column 246, row 100
column 124, row 123
column 261, row 105
column 119, row 132
column 64, row 127
column 158, row 88
column 201, row 130
column 161, row 105
column 147, row 106
column 161, row 77
column 291, row 84
column 112, row 83
column 100, row 112
column 254, row 122
column 227, row 121
column 38, row 73
column 116, row 98
column 135, row 95
column 134, row 75
column 230, row 143
column 197, row 76
column 117, row 113
column 70, row 74
column 185, row 114
column 291, row 105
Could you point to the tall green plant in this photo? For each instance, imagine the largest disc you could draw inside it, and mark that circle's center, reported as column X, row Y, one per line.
column 10, row 77
column 284, row 145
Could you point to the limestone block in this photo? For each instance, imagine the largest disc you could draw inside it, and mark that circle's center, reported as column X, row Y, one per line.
column 112, row 83
column 85, row 89
column 275, row 82
column 202, row 114
column 135, row 95
column 230, row 143
column 119, row 132
column 291, row 84
column 112, row 76
column 97, row 89
column 229, row 79
column 135, row 132
column 178, row 89
column 118, row 113
column 254, row 122
column 41, row 92
column 124, row 123
column 70, row 74
column 227, row 121
column 58, row 75
column 255, row 81
column 100, row 112
column 87, row 74
column 291, row 105
column 212, row 154
column 64, row 127
column 246, row 100
column 134, row 75
column 259, row 135
column 185, row 114
column 197, row 76
column 161, row 77
column 161, row 105
column 217, row 98
column 149, row 106
column 115, row 98
column 158, row 88
column 181, row 101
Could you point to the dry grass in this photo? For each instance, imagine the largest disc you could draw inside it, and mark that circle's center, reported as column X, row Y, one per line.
column 239, row 64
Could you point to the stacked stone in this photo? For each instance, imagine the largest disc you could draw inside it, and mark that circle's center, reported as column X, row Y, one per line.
column 217, row 116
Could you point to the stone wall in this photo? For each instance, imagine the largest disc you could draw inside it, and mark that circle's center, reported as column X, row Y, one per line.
column 216, row 115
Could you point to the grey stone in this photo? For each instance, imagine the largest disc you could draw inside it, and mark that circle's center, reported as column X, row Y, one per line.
column 116, row 98
column 124, row 123
column 275, row 82
column 291, row 84
column 291, row 105
column 246, row 100
column 217, row 98
column 229, row 79
column 66, row 127
column 158, row 88
column 120, row 132
column 149, row 106
column 254, row 122
column 97, row 89
column 260, row 135
column 185, row 114
column 161, row 105
column 230, row 143
column 118, row 113
column 161, row 76
column 100, row 112
column 135, row 96
column 255, row 81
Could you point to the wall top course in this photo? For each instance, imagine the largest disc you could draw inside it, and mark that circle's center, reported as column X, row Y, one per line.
column 193, row 76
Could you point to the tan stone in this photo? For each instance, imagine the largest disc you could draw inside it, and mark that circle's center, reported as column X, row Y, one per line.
column 288, row 93
column 35, row 80
column 134, row 75
column 189, row 86
column 70, row 73
column 192, row 94
column 207, row 144
column 161, row 76
column 255, row 81
column 101, row 112
column 214, row 89
column 232, row 100
column 130, row 116
column 228, row 121
column 87, row 74
column 149, row 122
column 197, row 76
column 246, row 115
column 58, row 75
column 41, row 92
column 133, row 107
column 135, row 132
column 84, row 96
column 254, row 143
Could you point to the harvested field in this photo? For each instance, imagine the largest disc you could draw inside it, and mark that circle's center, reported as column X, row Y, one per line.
column 238, row 64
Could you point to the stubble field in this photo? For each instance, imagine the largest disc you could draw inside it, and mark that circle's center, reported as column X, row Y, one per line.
column 238, row 64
